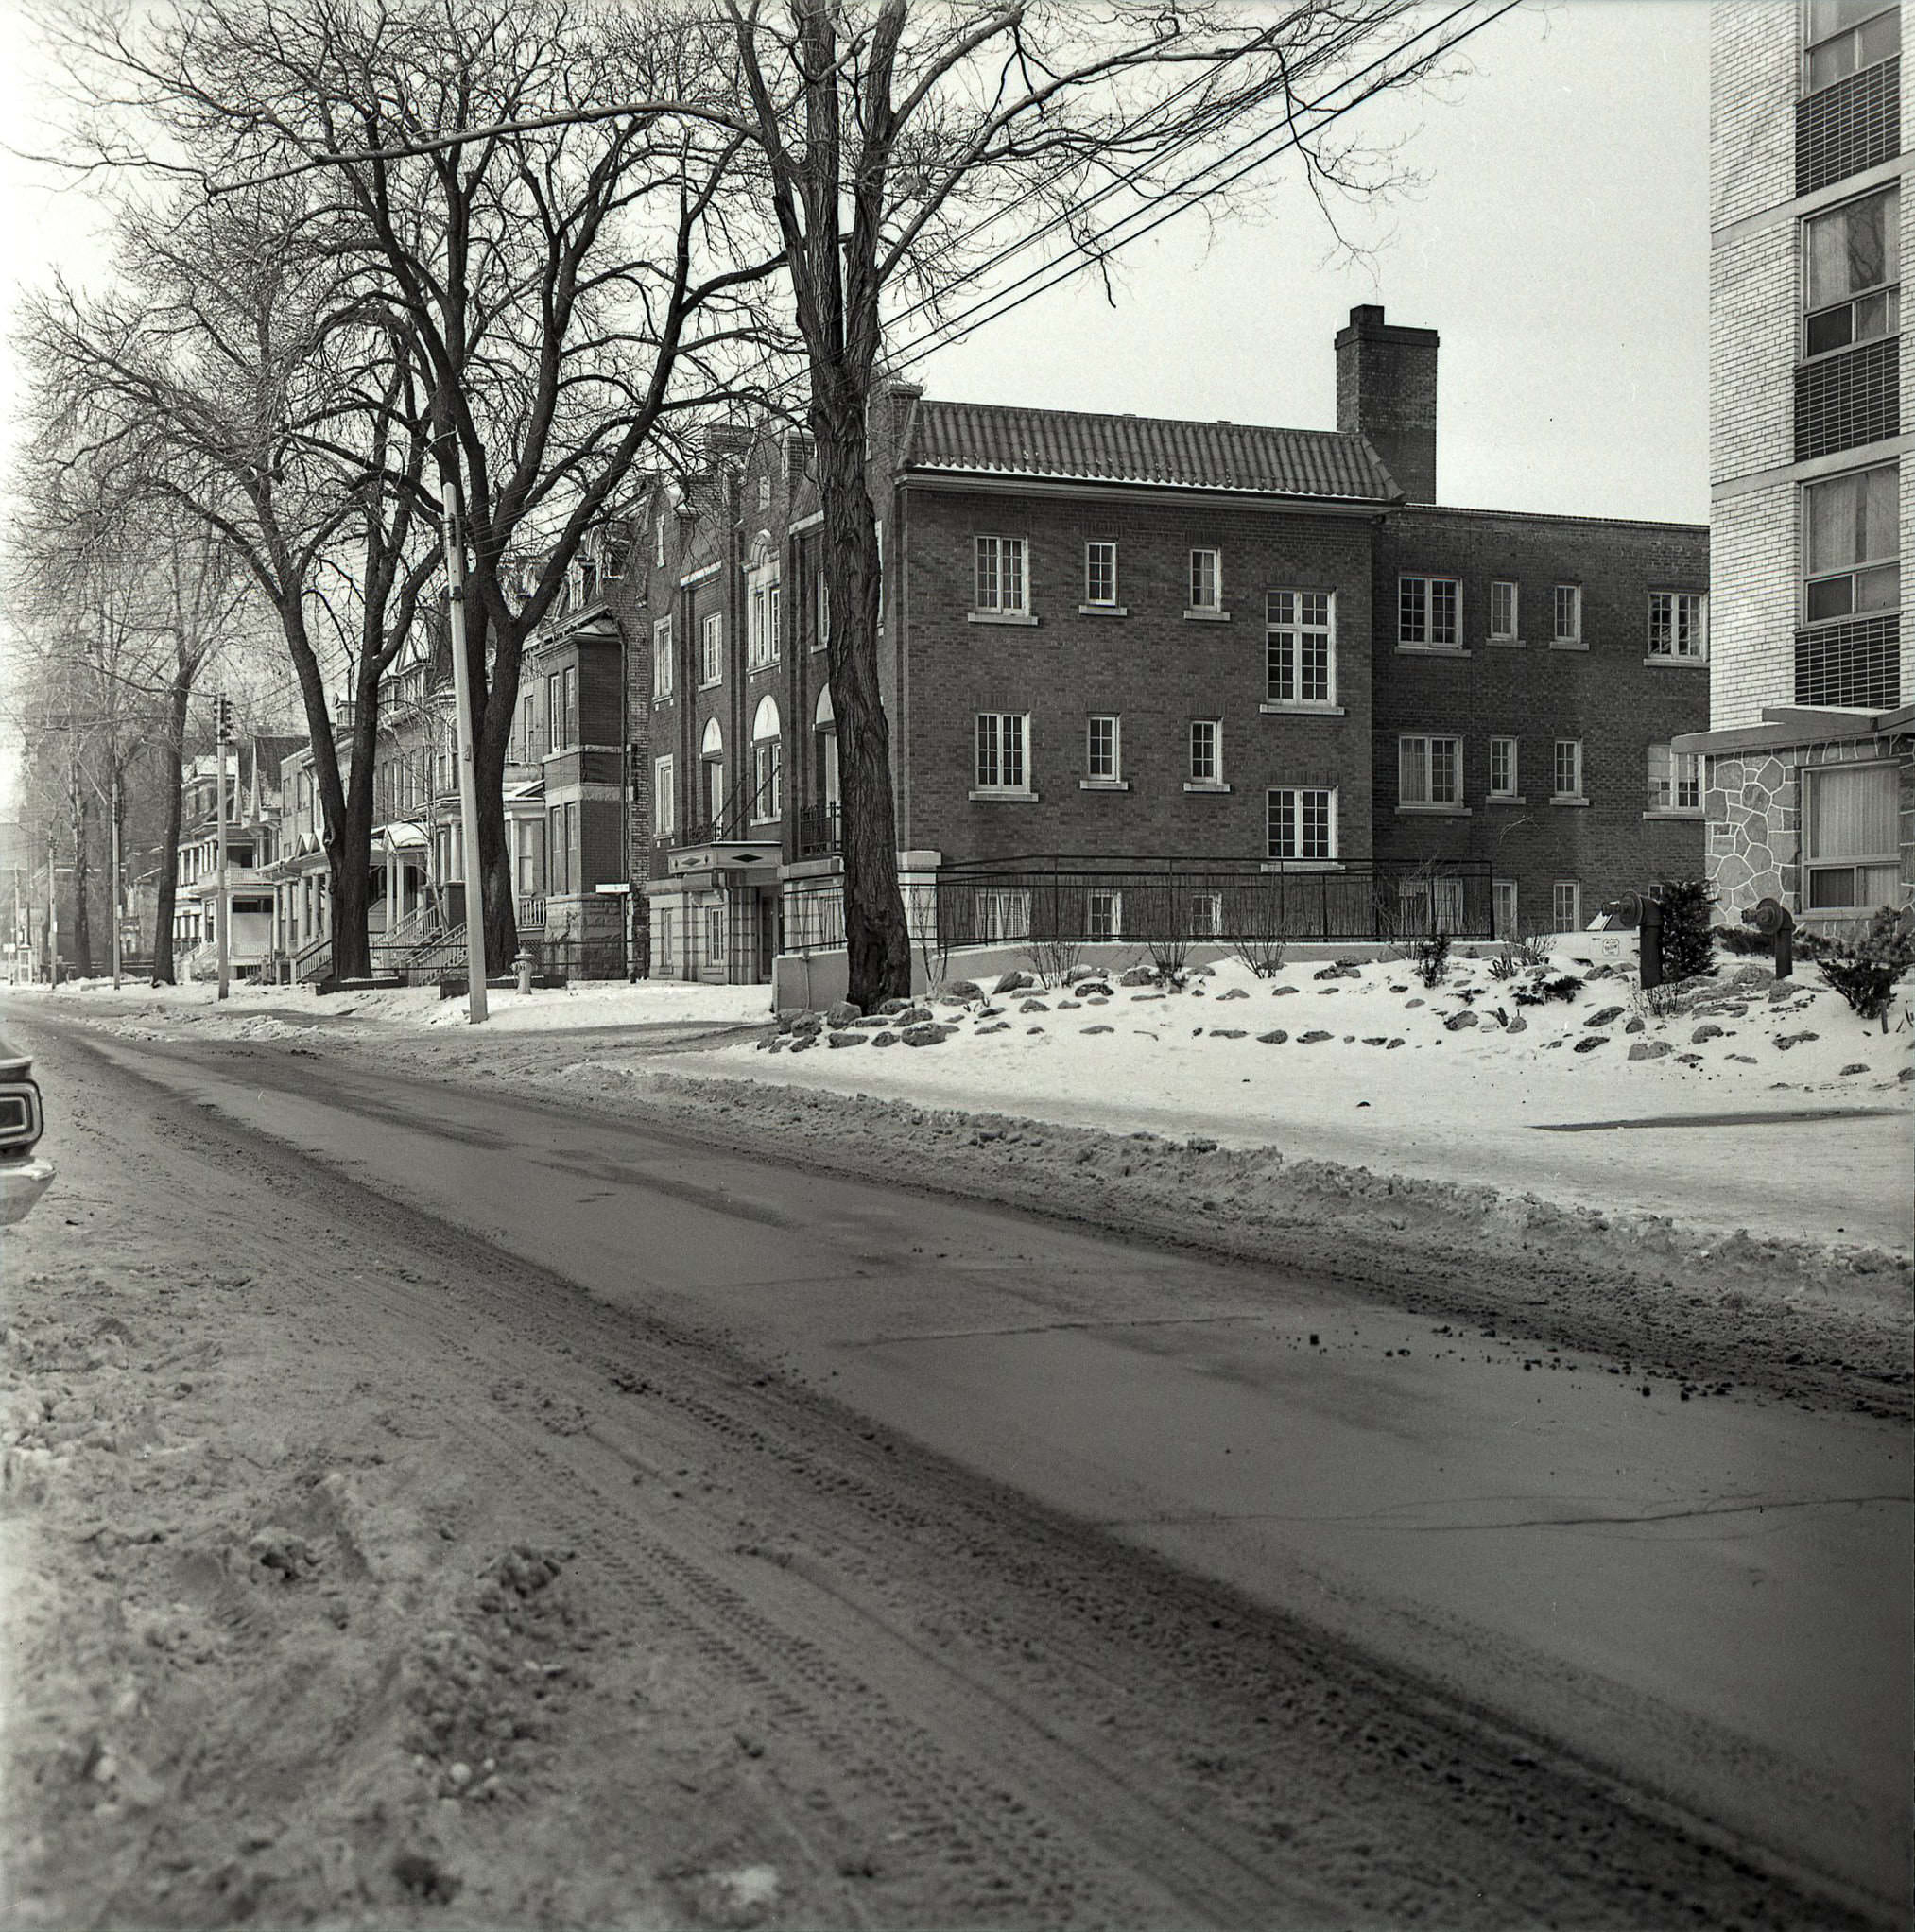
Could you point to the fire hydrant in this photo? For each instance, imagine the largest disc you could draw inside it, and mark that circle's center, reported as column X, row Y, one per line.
column 522, row 967
column 1774, row 921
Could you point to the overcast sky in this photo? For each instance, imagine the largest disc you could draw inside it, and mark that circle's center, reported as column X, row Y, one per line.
column 1560, row 244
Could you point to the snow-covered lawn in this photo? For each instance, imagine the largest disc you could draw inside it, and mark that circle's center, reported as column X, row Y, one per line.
column 1385, row 1083
column 273, row 1011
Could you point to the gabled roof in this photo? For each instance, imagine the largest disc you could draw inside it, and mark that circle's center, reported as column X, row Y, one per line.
column 1064, row 445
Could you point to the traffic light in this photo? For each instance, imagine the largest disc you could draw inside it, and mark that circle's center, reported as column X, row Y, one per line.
column 222, row 720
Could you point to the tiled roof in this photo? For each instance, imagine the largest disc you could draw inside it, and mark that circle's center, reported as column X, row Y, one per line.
column 1066, row 446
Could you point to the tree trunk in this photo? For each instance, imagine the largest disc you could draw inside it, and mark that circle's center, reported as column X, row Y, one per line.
column 349, row 857
column 491, row 869
column 878, row 940
column 175, row 759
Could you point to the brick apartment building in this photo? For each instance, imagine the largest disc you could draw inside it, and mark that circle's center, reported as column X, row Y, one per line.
column 1810, row 784
column 1131, row 638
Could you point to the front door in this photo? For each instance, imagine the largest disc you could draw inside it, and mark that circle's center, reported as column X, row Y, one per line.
column 771, row 914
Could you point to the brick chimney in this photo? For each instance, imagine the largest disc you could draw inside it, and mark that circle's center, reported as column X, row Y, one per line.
column 1386, row 391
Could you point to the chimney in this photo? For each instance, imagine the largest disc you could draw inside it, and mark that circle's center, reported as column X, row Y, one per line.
column 1386, row 391
column 726, row 443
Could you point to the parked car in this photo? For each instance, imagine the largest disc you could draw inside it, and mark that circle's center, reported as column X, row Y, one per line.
column 24, row 1177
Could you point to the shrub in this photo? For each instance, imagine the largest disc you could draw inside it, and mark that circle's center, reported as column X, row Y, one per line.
column 1533, row 951
column 1865, row 971
column 1429, row 956
column 1054, row 961
column 1743, row 940
column 1564, row 987
column 1504, row 966
column 1689, row 945
column 1261, row 953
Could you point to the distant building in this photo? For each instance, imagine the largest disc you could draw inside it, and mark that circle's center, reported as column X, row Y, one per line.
column 1809, row 778
column 1151, row 640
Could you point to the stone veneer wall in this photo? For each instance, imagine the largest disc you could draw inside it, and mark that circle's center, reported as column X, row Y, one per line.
column 1754, row 808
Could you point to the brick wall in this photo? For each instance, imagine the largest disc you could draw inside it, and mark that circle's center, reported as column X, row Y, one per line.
column 1751, row 352
column 1753, row 67
column 1752, row 611
column 1152, row 667
column 1606, row 696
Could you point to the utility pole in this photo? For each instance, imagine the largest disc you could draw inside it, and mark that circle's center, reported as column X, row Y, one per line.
column 468, row 768
column 52, row 916
column 222, row 730
column 119, row 886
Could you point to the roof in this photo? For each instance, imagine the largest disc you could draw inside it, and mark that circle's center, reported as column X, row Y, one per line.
column 1065, row 444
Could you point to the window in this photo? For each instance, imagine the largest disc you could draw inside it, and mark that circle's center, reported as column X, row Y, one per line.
column 1566, row 772
column 559, row 849
column 1001, row 740
column 658, row 540
column 661, row 664
column 1679, row 624
column 1205, row 920
column 1430, row 905
column 530, row 839
column 1003, row 589
column 1849, row 839
column 1206, row 580
column 1566, row 906
column 1429, row 612
column 1675, row 781
column 1206, row 750
column 712, row 777
column 1851, row 545
column 1502, row 768
column 1104, row 751
column 714, row 933
column 1104, row 914
column 822, row 636
column 1101, row 575
column 1566, row 603
column 663, row 813
column 764, row 493
column 762, row 619
column 1300, row 648
column 1502, row 908
column 712, row 648
column 1850, row 268
column 1429, row 770
column 767, row 763
column 1505, row 608
column 1004, row 913
column 1302, row 824
column 1844, row 36
column 661, row 951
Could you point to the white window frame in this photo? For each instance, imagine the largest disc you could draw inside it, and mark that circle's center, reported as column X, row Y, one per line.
column 1887, row 568
column 1573, row 922
column 1559, row 792
column 1206, row 597
column 821, row 639
column 1679, row 628
column 1099, row 552
column 1115, row 774
column 1417, row 602
column 664, row 798
column 1004, row 912
column 1872, row 308
column 1293, row 620
column 661, row 678
column 1204, row 746
column 1110, row 902
column 1510, row 630
column 1003, row 769
column 1815, row 863
column 1203, row 915
column 1426, row 743
column 761, row 614
column 1286, row 821
column 657, row 547
column 1858, row 46
column 710, row 649
column 1673, row 781
column 1000, row 577
column 768, row 780
column 1510, row 786
column 1504, row 900
column 1565, row 600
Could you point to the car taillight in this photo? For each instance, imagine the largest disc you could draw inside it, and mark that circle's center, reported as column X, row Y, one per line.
column 20, row 1122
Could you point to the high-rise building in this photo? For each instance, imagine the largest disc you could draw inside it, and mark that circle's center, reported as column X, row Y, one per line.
column 1809, row 787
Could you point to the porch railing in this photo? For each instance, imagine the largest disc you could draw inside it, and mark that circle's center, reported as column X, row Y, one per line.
column 819, row 831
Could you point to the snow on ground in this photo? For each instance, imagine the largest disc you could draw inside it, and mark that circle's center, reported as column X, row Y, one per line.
column 1389, row 1084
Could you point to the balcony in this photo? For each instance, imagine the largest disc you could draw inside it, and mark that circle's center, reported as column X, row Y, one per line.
column 819, row 829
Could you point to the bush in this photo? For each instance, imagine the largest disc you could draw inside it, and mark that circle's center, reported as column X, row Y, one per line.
column 1688, row 945
column 1743, row 940
column 1429, row 956
column 1865, row 971
column 1263, row 954
column 1504, row 966
column 1054, row 961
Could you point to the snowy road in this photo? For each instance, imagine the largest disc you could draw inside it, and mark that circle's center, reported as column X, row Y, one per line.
column 1653, row 1634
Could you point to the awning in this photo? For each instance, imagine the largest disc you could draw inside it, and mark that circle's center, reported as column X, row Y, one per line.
column 399, row 838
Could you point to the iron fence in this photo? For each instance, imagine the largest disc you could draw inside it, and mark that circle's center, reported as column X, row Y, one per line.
column 1096, row 900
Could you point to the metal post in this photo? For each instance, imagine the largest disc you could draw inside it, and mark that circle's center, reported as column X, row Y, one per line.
column 52, row 917
column 119, row 888
column 468, row 770
column 220, row 898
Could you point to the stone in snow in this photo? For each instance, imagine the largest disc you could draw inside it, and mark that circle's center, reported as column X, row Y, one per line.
column 1100, row 1027
column 1311, row 1038
column 1517, row 1024
column 1275, row 1039
column 842, row 1012
column 847, row 1038
column 963, row 989
column 883, row 1039
column 893, row 1006
column 1650, row 1049
column 927, row 1033
column 1033, row 1005
column 1235, row 992
column 1591, row 1042
column 1138, row 976
column 1785, row 1041
column 1705, row 1032
column 1455, row 1022
column 1856, row 1066
column 803, row 1041
column 1605, row 1016
column 1227, row 1032
column 1637, row 1027
column 1201, row 1144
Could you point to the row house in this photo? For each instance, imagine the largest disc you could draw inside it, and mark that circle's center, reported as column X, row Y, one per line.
column 1129, row 637
column 253, row 777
